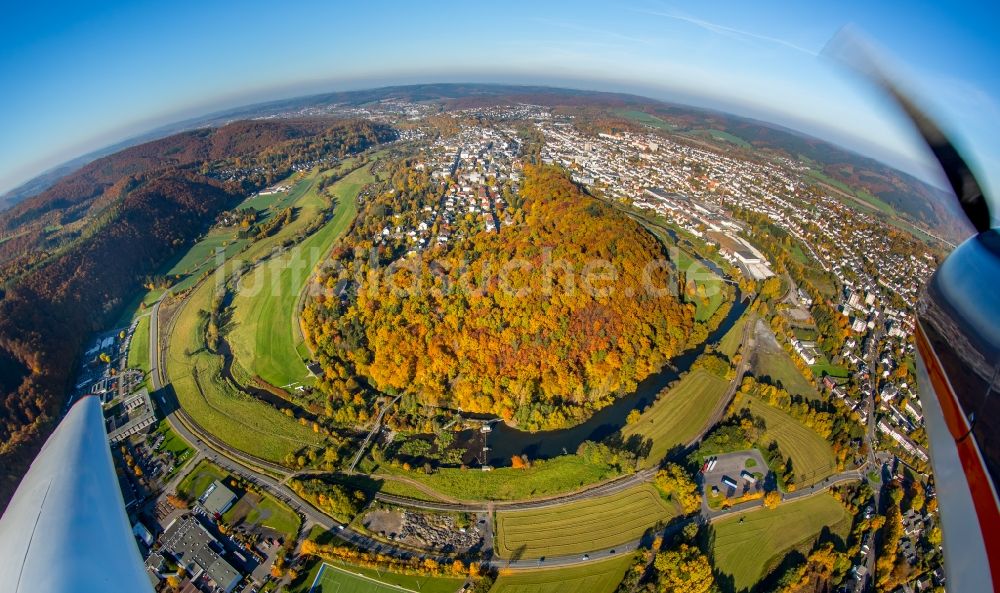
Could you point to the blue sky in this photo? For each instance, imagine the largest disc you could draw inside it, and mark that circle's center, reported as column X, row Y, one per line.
column 76, row 78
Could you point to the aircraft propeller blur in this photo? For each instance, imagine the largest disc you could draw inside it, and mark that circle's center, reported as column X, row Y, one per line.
column 958, row 363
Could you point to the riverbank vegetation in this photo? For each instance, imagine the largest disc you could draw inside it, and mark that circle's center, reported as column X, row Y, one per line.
column 541, row 478
column 679, row 414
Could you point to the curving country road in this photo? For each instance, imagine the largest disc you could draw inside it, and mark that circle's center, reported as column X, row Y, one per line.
column 273, row 477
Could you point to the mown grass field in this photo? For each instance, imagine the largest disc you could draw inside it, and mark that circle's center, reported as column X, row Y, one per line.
column 265, row 337
column 823, row 365
column 216, row 404
column 811, row 455
column 730, row 343
column 336, row 577
column 553, row 476
column 644, row 118
column 747, row 551
column 264, row 510
column 592, row 577
column 778, row 365
column 138, row 306
column 706, row 280
column 583, row 526
column 203, row 255
column 138, row 349
column 678, row 415
column 722, row 135
column 198, row 479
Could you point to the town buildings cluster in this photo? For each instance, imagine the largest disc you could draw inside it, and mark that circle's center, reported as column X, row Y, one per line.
column 476, row 168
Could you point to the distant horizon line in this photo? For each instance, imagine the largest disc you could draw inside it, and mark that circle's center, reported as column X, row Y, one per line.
column 157, row 127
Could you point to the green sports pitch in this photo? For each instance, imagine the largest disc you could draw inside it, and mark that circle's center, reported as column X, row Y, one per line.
column 334, row 579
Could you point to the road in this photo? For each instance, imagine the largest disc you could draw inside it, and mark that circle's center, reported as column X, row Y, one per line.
column 712, row 515
column 273, row 477
column 871, row 357
column 746, row 349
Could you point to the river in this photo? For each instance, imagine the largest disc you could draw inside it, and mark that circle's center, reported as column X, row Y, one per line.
column 505, row 441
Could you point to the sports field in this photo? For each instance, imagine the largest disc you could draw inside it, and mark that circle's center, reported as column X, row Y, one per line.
column 332, row 578
column 584, row 526
column 679, row 414
column 811, row 455
column 265, row 337
column 592, row 577
column 749, row 550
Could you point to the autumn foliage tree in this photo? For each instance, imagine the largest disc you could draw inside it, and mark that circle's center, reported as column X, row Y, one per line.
column 541, row 323
column 677, row 485
column 684, row 570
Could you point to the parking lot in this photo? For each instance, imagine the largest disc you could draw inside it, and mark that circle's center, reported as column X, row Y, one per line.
column 731, row 467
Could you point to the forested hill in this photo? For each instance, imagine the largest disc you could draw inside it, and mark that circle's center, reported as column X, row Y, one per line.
column 47, row 315
column 514, row 336
column 254, row 152
column 153, row 211
column 240, row 138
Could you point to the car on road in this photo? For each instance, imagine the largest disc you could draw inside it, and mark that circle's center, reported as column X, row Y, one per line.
column 586, row 556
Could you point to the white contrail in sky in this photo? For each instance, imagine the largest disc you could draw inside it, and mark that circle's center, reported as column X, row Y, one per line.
column 730, row 32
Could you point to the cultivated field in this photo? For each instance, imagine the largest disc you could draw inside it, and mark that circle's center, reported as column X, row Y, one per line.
column 679, row 414
column 749, row 550
column 344, row 578
column 265, row 337
column 811, row 455
column 592, row 577
column 584, row 526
